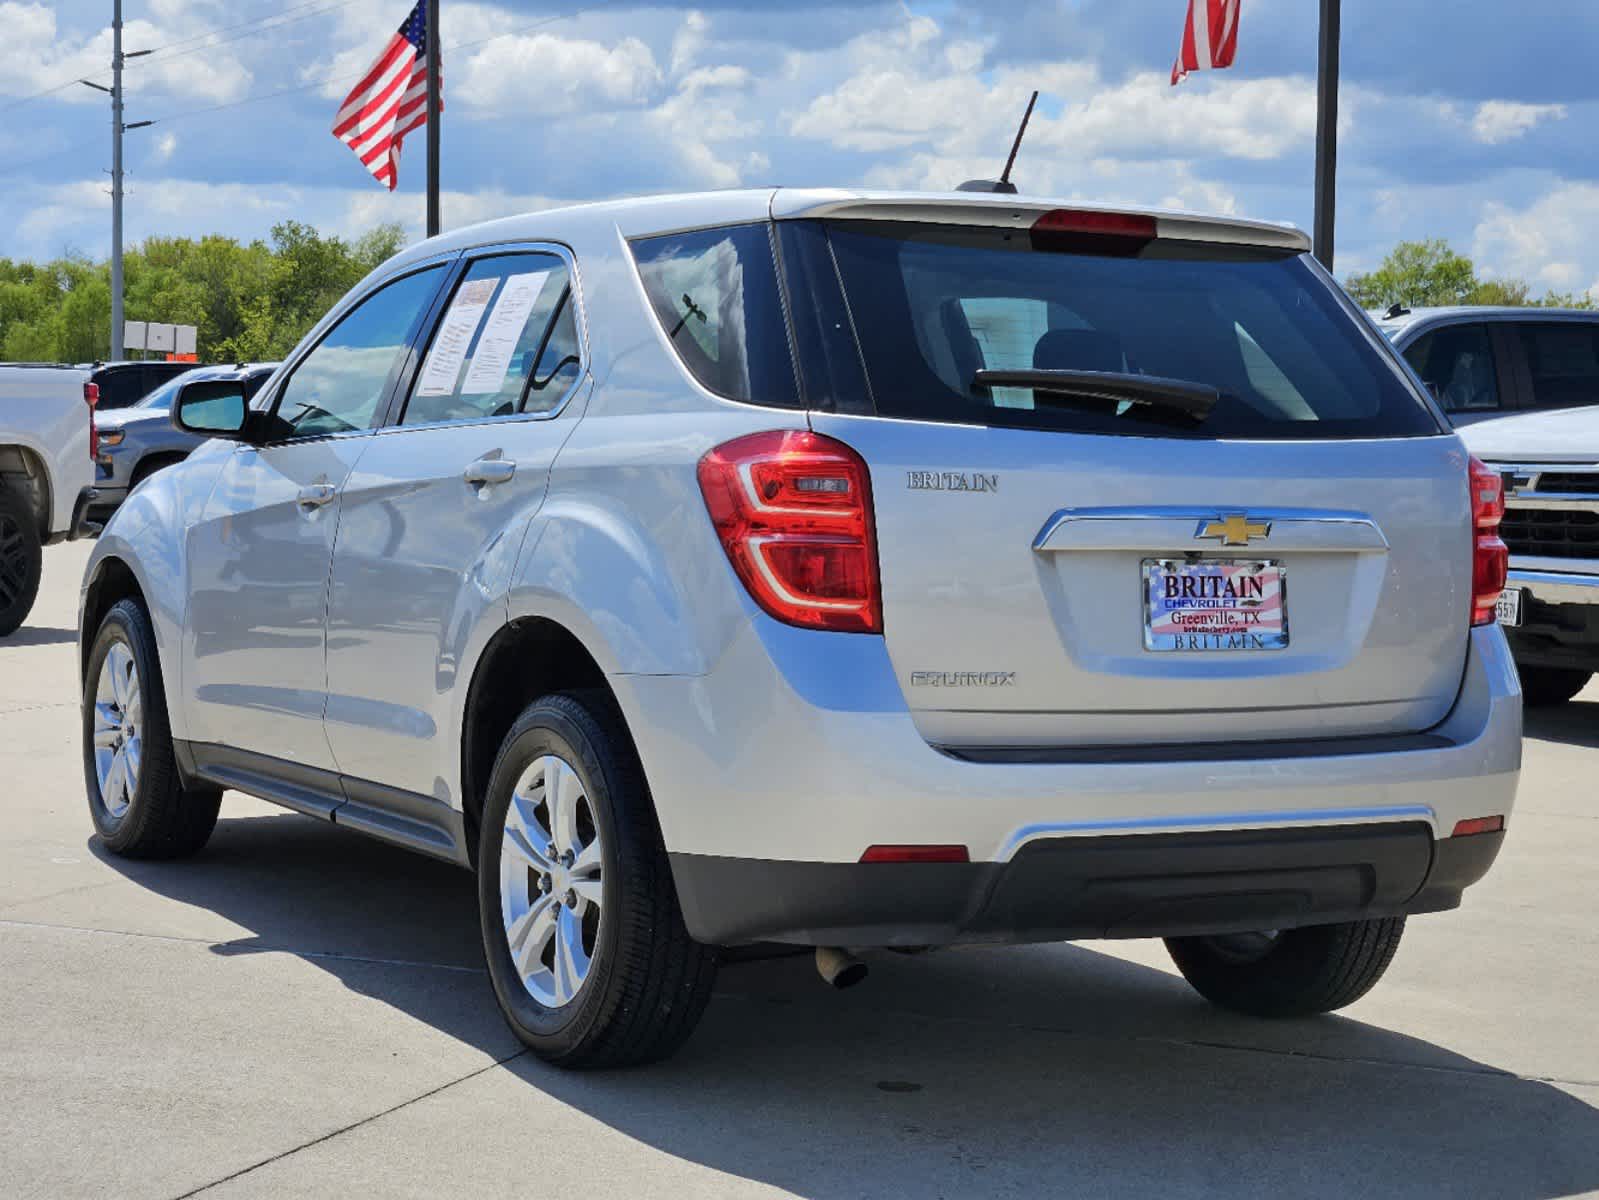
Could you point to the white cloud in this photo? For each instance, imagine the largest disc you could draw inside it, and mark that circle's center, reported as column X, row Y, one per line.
column 34, row 56
column 166, row 146
column 689, row 41
column 1499, row 121
column 544, row 75
column 916, row 89
column 1552, row 242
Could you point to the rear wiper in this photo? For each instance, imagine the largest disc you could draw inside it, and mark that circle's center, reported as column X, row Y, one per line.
column 1106, row 391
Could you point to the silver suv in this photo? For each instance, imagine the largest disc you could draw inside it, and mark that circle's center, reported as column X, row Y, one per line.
column 838, row 569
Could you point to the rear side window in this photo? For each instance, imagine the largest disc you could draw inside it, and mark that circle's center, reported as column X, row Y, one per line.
column 506, row 344
column 932, row 306
column 715, row 294
column 1563, row 359
column 120, row 387
column 1457, row 362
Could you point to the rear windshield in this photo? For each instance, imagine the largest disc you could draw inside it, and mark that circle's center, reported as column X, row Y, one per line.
column 931, row 306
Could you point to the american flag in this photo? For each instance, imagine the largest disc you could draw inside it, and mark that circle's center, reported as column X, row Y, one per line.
column 390, row 100
column 1210, row 37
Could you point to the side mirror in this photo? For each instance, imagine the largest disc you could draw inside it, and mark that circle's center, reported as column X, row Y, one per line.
column 212, row 408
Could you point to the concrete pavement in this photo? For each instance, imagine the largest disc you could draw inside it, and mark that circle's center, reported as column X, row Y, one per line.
column 301, row 1012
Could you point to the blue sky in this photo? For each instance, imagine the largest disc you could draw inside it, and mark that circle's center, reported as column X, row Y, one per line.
column 1470, row 120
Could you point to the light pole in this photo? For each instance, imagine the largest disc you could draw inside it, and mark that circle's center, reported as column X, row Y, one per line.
column 433, row 109
column 1327, row 132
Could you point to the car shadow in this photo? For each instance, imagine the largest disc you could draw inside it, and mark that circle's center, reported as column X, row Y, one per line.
column 1023, row 1071
column 37, row 635
column 1575, row 723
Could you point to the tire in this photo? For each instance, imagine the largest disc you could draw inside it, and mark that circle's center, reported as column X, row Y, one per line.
column 21, row 560
column 158, row 817
column 1294, row 973
column 1545, row 687
column 646, row 982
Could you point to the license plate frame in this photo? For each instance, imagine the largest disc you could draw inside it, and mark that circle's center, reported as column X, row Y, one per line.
column 1510, row 609
column 1240, row 617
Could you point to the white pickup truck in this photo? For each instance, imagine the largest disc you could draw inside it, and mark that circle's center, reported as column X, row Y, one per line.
column 46, row 473
column 1550, row 607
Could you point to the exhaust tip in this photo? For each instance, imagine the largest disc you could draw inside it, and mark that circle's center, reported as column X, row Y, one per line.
column 838, row 967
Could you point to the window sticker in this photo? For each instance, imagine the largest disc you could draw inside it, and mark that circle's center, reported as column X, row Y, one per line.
column 502, row 332
column 455, row 337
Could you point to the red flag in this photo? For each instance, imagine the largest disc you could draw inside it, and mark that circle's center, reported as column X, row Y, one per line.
column 1210, row 37
column 390, row 100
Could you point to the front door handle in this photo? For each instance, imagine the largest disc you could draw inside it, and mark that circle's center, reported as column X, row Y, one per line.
column 315, row 495
column 486, row 471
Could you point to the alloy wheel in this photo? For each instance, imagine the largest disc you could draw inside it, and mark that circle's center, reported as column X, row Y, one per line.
column 118, row 729
column 551, row 894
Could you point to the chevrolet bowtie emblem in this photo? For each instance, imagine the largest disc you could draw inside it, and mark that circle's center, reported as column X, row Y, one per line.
column 1234, row 529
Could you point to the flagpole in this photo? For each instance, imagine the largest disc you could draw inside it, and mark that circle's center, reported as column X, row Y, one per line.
column 1327, row 131
column 433, row 116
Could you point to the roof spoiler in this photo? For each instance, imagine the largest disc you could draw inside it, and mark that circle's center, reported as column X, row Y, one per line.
column 1006, row 212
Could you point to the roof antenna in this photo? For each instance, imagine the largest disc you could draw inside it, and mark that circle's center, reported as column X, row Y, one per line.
column 1003, row 183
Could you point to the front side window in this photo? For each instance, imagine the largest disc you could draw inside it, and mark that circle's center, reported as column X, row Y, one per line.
column 338, row 386
column 1457, row 363
column 715, row 294
column 1563, row 359
column 507, row 343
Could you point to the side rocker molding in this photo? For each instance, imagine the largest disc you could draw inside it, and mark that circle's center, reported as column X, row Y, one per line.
column 406, row 819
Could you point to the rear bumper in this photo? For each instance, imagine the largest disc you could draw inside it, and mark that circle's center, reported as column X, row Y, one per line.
column 1155, row 885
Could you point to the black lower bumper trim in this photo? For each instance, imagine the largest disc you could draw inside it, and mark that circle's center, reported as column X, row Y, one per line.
column 1151, row 885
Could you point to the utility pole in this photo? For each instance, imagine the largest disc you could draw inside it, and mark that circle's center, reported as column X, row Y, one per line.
column 117, row 130
column 116, row 179
column 1327, row 132
column 432, row 33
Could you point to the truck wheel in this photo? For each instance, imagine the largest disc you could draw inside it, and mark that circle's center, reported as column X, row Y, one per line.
column 1544, row 687
column 21, row 558
column 1291, row 973
column 585, row 943
column 137, row 799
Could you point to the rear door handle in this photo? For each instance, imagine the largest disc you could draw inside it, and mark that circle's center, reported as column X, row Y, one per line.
column 315, row 495
column 486, row 471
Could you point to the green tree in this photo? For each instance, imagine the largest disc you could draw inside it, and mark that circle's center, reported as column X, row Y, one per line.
column 1431, row 273
column 1414, row 274
column 247, row 301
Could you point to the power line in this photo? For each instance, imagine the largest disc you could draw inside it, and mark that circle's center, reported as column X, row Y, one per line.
column 14, row 168
column 341, row 78
column 252, row 27
column 263, row 25
column 51, row 90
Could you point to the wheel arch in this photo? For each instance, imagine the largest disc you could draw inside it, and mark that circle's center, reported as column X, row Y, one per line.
column 152, row 462
column 24, row 471
column 110, row 581
column 527, row 658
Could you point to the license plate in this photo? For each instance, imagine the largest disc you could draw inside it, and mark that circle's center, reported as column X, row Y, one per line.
column 1508, row 607
column 1214, row 604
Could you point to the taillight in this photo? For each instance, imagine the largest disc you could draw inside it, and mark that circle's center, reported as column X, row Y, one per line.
column 794, row 513
column 1490, row 558
column 91, row 397
column 1088, row 231
column 916, row 854
column 1475, row 825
